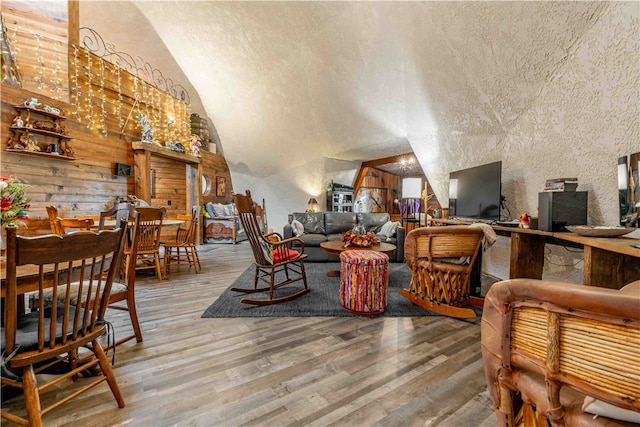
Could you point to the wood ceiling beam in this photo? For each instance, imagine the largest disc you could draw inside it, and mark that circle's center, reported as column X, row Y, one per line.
column 357, row 182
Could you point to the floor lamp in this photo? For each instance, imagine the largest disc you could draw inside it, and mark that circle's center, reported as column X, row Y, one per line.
column 412, row 191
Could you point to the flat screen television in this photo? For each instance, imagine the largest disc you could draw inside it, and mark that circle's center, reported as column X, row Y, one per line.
column 476, row 192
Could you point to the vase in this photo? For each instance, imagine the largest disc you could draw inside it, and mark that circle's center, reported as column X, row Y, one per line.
column 359, row 229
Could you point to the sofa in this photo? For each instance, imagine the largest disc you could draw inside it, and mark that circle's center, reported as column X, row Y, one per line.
column 326, row 226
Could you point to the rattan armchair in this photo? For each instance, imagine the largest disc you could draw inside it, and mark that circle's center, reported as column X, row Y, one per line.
column 441, row 260
column 548, row 345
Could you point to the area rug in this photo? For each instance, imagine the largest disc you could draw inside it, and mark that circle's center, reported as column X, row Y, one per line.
column 322, row 301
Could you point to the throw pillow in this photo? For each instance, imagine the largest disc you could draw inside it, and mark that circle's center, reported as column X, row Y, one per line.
column 210, row 210
column 266, row 250
column 298, row 228
column 230, row 209
column 389, row 228
column 219, row 210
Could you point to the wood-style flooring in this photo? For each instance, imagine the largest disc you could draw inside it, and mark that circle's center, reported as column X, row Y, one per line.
column 189, row 371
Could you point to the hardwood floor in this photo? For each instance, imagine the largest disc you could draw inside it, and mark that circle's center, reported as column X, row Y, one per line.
column 282, row 371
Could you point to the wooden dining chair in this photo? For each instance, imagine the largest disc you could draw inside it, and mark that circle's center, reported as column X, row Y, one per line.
column 41, row 338
column 273, row 258
column 183, row 247
column 147, row 255
column 122, row 288
column 61, row 226
column 117, row 212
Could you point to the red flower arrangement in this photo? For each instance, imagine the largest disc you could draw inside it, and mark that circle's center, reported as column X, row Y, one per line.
column 349, row 238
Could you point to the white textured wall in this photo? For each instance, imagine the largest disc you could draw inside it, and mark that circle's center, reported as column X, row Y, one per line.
column 582, row 119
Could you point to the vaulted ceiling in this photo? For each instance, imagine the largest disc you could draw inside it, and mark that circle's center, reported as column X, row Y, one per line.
column 286, row 82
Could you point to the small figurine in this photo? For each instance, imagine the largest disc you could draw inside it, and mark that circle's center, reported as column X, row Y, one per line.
column 147, row 130
column 32, row 144
column 17, row 122
column 525, row 220
column 194, row 145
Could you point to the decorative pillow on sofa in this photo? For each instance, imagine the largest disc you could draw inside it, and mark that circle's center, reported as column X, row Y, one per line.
column 229, row 210
column 389, row 228
column 216, row 209
column 297, row 227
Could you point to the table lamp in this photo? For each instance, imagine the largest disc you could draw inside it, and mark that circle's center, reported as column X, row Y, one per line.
column 312, row 205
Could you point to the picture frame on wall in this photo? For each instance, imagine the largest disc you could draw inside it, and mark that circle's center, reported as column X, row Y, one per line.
column 220, row 186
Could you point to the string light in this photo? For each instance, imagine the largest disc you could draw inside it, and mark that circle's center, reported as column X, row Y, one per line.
column 103, row 125
column 56, row 81
column 48, row 73
column 39, row 67
column 89, row 116
column 75, row 93
column 119, row 104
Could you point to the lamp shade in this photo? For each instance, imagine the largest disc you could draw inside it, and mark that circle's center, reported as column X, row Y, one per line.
column 623, row 174
column 453, row 189
column 312, row 201
column 411, row 188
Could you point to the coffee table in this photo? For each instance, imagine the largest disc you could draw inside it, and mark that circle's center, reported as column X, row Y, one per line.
column 335, row 247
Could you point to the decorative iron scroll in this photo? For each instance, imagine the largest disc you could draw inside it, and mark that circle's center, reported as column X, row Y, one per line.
column 93, row 41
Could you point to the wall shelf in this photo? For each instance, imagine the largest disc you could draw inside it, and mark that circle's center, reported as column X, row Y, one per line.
column 34, row 121
column 40, row 153
column 164, row 152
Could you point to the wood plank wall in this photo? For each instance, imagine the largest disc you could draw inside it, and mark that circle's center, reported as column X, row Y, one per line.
column 87, row 185
column 378, row 178
column 42, row 60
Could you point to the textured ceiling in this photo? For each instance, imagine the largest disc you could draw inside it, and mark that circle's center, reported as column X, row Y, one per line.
column 288, row 82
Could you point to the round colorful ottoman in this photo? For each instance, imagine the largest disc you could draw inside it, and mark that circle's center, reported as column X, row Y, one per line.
column 364, row 277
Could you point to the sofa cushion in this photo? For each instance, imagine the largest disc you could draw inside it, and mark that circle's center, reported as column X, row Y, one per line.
column 373, row 221
column 284, row 255
column 313, row 222
column 313, row 239
column 338, row 222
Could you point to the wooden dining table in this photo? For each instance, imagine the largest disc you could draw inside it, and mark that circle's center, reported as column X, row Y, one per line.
column 110, row 223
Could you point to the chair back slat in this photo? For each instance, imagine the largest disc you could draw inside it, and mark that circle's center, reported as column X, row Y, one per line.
column 86, row 257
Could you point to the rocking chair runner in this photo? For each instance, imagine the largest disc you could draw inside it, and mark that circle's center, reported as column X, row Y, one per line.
column 440, row 260
column 271, row 255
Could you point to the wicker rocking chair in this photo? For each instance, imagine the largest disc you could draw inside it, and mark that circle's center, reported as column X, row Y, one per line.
column 272, row 257
column 440, row 260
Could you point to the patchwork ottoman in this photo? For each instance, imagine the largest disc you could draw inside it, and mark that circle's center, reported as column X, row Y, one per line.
column 364, row 277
